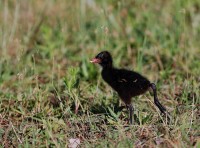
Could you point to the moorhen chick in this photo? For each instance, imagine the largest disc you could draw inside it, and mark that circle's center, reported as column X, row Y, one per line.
column 127, row 83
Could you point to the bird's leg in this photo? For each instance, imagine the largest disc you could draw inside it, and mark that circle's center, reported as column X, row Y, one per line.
column 131, row 110
column 158, row 104
column 156, row 101
column 127, row 106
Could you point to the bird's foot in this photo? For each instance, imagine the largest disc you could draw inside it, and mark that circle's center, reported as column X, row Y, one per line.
column 167, row 117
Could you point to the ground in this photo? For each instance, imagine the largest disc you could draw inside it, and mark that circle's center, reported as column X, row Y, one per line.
column 50, row 93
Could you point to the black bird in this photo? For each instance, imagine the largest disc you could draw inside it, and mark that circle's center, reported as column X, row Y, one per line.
column 127, row 83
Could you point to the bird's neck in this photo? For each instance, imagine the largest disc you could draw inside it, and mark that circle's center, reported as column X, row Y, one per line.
column 107, row 66
column 107, row 69
column 107, row 73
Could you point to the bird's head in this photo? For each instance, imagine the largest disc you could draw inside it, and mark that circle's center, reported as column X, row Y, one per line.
column 104, row 58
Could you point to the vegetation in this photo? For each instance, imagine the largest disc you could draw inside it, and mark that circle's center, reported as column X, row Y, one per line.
column 50, row 93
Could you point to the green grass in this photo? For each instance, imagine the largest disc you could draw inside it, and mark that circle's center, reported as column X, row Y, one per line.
column 50, row 93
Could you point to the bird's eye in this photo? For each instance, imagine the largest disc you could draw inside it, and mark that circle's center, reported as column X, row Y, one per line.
column 101, row 56
column 105, row 55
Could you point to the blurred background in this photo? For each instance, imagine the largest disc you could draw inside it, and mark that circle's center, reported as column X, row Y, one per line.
column 49, row 92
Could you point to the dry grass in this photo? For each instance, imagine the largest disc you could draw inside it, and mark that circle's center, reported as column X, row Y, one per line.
column 50, row 93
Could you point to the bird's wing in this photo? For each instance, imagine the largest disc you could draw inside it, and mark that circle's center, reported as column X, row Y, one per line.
column 130, row 79
column 125, row 76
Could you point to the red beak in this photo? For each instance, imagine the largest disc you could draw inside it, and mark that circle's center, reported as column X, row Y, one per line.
column 95, row 60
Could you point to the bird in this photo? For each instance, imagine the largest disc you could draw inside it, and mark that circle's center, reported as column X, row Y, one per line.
column 126, row 83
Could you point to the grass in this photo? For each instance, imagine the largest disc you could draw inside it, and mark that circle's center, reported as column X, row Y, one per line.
column 50, row 93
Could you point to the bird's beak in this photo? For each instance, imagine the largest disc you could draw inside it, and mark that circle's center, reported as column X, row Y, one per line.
column 95, row 60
